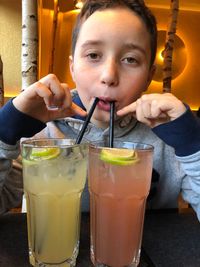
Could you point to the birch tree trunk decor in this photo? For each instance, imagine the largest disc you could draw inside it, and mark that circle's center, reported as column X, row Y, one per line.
column 168, row 51
column 29, row 42
column 54, row 29
column 1, row 84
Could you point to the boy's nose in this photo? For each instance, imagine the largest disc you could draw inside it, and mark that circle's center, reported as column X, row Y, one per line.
column 110, row 75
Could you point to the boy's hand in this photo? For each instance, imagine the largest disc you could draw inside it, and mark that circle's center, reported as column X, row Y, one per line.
column 155, row 109
column 37, row 100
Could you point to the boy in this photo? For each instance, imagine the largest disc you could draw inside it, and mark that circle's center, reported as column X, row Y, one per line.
column 113, row 50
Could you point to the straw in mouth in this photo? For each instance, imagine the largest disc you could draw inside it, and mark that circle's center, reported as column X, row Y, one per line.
column 85, row 124
column 111, row 125
column 111, row 128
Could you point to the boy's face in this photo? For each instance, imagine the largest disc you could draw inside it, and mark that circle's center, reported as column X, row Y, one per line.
column 111, row 61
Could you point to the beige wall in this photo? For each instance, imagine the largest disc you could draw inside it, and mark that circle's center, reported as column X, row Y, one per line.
column 10, row 44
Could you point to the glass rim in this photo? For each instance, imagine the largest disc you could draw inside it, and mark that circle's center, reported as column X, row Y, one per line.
column 37, row 142
column 132, row 145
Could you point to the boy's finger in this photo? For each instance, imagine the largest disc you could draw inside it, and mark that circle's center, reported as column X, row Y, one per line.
column 126, row 110
column 66, row 112
column 43, row 91
column 78, row 110
column 54, row 85
column 51, row 81
column 75, row 109
column 140, row 115
column 67, row 99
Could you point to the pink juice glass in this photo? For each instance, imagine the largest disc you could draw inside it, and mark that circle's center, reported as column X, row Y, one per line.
column 118, row 196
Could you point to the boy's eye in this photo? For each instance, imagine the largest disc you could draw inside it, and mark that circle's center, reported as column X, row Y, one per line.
column 130, row 60
column 93, row 56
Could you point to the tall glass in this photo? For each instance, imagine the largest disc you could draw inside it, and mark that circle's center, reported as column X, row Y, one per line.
column 119, row 183
column 54, row 174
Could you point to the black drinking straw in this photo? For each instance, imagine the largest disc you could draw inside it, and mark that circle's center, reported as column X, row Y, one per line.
column 85, row 124
column 111, row 128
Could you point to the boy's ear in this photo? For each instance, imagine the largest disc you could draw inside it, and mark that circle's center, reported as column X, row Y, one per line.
column 71, row 66
column 150, row 76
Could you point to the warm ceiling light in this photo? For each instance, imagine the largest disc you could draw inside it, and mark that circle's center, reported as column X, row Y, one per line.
column 78, row 4
column 161, row 55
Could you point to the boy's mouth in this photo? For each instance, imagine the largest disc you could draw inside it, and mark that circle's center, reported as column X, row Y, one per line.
column 104, row 104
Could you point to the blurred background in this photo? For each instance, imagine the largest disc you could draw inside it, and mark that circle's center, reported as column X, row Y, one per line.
column 55, row 44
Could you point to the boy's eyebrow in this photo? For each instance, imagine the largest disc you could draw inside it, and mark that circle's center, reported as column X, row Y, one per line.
column 91, row 42
column 127, row 46
column 135, row 47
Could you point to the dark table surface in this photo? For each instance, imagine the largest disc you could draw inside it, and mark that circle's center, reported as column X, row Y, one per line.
column 170, row 239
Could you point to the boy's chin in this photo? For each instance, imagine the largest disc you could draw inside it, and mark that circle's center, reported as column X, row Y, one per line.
column 101, row 116
column 101, row 123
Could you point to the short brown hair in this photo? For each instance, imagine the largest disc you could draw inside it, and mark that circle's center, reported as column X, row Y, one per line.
column 137, row 6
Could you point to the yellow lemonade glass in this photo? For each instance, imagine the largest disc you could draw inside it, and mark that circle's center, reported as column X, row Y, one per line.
column 54, row 175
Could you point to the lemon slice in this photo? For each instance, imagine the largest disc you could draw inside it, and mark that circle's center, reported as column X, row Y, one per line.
column 44, row 153
column 119, row 156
